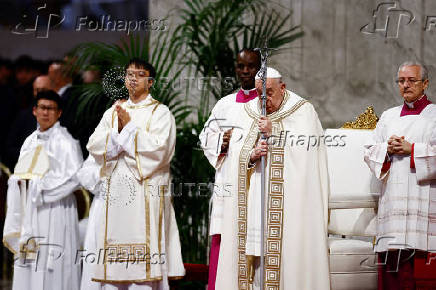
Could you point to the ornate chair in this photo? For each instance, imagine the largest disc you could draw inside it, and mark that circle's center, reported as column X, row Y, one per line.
column 352, row 206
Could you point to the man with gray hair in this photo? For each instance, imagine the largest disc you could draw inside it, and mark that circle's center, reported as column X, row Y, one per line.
column 403, row 155
column 296, row 196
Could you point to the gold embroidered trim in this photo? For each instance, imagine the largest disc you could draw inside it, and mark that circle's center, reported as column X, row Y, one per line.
column 133, row 107
column 127, row 281
column 104, row 157
column 147, row 226
column 250, row 140
column 29, row 174
column 6, row 243
column 279, row 114
column 175, row 277
column 161, row 209
column 34, row 159
column 149, row 120
column 274, row 216
column 106, row 223
column 122, row 253
column 138, row 163
column 275, row 203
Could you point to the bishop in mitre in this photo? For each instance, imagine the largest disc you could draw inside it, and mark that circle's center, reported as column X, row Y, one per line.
column 41, row 226
column 296, row 255
column 138, row 240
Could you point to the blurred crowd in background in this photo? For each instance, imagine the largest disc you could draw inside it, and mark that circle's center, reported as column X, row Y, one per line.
column 20, row 81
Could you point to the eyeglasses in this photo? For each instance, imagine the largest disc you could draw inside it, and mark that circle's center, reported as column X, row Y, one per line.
column 411, row 81
column 48, row 108
column 136, row 73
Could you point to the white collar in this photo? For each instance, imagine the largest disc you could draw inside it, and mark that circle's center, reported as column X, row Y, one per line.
column 247, row 92
column 143, row 102
column 46, row 134
column 63, row 89
column 411, row 105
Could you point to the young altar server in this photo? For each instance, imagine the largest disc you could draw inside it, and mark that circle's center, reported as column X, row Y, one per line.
column 41, row 226
column 133, row 145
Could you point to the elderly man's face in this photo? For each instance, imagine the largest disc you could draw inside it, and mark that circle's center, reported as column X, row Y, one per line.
column 41, row 83
column 55, row 74
column 411, row 84
column 275, row 90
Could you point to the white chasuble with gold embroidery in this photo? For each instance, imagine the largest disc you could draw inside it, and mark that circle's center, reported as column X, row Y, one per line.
column 296, row 201
column 138, row 240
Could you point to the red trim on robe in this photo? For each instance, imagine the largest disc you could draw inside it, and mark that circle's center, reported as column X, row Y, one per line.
column 386, row 165
column 412, row 157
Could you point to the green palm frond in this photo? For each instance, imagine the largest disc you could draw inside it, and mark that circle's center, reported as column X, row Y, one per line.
column 163, row 56
column 213, row 32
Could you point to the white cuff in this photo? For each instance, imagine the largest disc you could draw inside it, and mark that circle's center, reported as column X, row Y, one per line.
column 113, row 147
column 126, row 138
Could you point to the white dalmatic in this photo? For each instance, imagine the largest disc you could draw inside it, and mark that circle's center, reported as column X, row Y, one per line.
column 41, row 226
column 137, row 237
column 407, row 206
column 89, row 178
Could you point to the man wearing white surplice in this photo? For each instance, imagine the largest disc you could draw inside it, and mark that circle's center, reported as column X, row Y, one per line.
column 403, row 155
column 41, row 226
column 296, row 197
column 214, row 140
column 133, row 145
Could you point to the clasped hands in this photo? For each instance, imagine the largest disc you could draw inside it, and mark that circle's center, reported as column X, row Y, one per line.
column 398, row 145
column 123, row 115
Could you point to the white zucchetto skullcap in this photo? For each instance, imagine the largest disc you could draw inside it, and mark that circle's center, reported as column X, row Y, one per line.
column 271, row 73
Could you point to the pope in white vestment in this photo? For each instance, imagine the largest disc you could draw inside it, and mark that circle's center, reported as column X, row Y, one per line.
column 296, row 255
column 41, row 226
column 138, row 240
